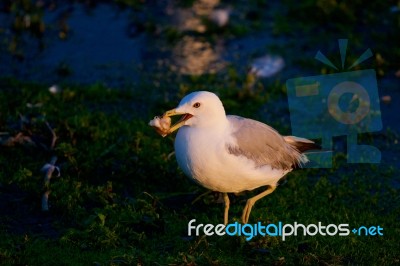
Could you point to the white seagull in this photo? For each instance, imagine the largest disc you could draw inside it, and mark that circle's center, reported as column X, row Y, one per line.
column 231, row 154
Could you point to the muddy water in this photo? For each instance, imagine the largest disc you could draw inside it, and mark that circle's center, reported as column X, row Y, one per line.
column 117, row 46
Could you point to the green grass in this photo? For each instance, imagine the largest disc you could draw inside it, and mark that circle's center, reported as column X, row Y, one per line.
column 122, row 200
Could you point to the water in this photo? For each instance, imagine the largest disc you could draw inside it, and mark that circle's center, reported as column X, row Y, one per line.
column 116, row 47
column 97, row 49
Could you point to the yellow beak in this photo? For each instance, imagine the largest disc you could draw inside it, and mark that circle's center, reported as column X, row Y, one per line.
column 181, row 121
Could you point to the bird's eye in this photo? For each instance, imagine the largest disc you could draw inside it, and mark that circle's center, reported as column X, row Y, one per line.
column 196, row 105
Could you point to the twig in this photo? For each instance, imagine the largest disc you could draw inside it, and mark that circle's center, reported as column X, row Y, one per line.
column 48, row 170
column 54, row 136
column 45, row 201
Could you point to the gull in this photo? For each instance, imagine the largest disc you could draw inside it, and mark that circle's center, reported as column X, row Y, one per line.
column 232, row 154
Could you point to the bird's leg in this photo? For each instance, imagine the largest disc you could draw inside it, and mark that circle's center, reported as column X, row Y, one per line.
column 226, row 201
column 252, row 201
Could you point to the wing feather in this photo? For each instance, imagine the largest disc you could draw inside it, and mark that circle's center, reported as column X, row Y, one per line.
column 262, row 144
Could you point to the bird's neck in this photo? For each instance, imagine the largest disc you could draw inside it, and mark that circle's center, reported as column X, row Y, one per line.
column 215, row 124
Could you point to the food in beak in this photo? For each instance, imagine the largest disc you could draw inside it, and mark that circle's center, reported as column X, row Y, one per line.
column 161, row 124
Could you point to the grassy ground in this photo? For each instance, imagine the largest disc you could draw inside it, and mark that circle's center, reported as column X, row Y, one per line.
column 121, row 200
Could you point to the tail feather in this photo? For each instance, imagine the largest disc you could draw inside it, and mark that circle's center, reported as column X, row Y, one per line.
column 301, row 144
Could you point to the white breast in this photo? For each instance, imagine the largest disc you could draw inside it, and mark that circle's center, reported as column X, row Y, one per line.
column 204, row 158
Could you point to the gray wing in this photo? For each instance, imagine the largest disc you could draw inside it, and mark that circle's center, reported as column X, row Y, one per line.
column 262, row 144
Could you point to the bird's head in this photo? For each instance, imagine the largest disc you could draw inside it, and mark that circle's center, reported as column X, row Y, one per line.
column 198, row 109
